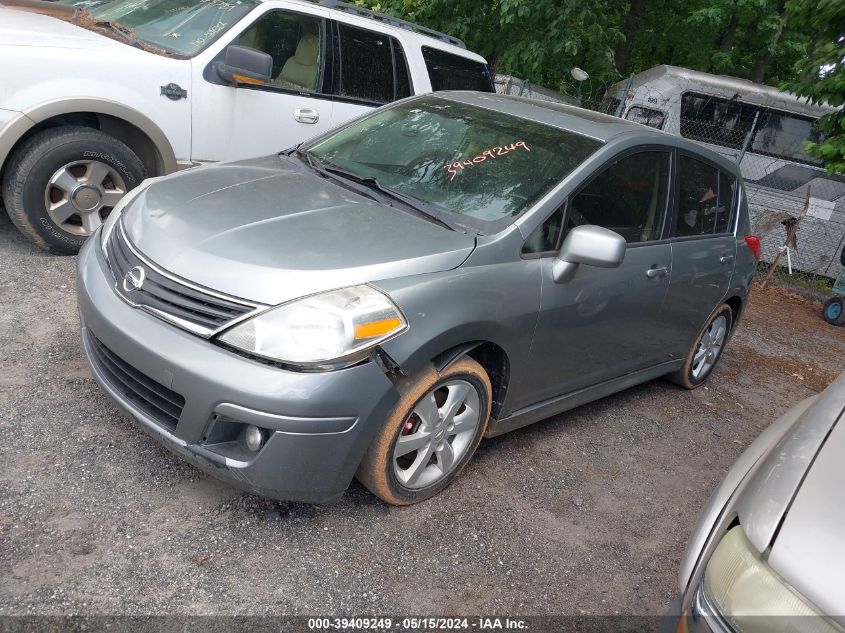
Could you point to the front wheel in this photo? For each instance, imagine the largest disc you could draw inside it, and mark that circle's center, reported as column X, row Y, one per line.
column 60, row 185
column 431, row 434
column 706, row 351
column 834, row 311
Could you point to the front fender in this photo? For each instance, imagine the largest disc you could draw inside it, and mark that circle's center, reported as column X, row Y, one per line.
column 22, row 122
column 498, row 303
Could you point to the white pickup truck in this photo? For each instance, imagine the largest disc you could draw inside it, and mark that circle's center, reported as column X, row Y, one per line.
column 96, row 96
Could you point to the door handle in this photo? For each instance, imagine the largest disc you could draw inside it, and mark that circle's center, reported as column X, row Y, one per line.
column 306, row 115
column 654, row 273
column 727, row 259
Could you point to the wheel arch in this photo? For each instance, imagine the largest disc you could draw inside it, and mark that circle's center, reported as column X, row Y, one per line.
column 491, row 357
column 126, row 124
column 737, row 304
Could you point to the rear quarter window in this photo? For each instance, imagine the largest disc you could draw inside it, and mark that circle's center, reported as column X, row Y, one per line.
column 453, row 72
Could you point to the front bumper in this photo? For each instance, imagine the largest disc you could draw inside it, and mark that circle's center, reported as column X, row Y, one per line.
column 319, row 424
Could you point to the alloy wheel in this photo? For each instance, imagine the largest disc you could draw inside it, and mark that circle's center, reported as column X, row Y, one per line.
column 710, row 347
column 437, row 434
column 80, row 195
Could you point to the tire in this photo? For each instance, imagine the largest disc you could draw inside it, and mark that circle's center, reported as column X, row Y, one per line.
column 80, row 172
column 390, row 477
column 834, row 311
column 694, row 372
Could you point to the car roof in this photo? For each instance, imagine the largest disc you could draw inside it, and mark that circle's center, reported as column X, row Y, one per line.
column 602, row 127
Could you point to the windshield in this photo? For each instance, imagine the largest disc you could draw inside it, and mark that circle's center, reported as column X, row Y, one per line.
column 183, row 27
column 486, row 167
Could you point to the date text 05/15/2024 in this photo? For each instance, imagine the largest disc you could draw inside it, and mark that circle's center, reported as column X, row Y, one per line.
column 417, row 624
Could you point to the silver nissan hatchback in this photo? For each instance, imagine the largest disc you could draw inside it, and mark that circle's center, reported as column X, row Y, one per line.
column 373, row 303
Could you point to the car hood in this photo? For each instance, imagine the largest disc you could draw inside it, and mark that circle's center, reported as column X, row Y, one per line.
column 809, row 550
column 23, row 26
column 269, row 230
column 792, row 503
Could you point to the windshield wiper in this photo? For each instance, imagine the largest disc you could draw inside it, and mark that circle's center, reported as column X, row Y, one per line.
column 317, row 166
column 427, row 211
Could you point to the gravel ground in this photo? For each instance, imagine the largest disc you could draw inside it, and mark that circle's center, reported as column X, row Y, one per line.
column 587, row 512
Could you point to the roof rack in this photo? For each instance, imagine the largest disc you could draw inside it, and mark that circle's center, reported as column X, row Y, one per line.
column 339, row 5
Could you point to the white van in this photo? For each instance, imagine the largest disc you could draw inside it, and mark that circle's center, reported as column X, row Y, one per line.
column 99, row 95
column 731, row 115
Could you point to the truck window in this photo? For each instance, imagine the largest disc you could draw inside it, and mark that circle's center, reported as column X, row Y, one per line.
column 646, row 116
column 782, row 135
column 710, row 119
column 372, row 66
column 453, row 72
column 183, row 27
column 294, row 41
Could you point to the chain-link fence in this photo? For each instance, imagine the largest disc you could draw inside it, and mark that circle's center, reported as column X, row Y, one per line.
column 797, row 209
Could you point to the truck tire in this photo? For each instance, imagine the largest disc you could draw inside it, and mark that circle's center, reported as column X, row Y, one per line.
column 60, row 185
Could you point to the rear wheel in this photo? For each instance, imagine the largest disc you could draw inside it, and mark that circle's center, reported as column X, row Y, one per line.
column 706, row 351
column 834, row 311
column 62, row 183
column 431, row 434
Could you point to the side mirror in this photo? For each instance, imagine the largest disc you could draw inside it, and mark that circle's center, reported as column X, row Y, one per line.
column 589, row 245
column 243, row 65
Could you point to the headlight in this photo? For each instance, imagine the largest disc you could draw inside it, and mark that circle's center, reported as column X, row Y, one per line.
column 752, row 597
column 331, row 326
column 108, row 225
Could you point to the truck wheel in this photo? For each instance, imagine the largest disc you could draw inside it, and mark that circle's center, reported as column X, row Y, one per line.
column 61, row 184
column 834, row 311
column 431, row 434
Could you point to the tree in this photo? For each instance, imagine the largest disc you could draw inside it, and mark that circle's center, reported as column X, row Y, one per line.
column 542, row 40
column 820, row 77
column 537, row 40
column 633, row 23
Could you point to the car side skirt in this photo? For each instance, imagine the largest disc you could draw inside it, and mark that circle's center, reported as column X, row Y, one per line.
column 559, row 404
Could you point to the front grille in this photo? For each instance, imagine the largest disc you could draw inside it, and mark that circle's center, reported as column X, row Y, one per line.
column 161, row 404
column 187, row 306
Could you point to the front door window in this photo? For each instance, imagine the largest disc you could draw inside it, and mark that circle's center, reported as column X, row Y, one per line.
column 629, row 198
column 295, row 43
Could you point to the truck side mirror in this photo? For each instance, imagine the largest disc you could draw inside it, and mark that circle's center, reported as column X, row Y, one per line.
column 244, row 65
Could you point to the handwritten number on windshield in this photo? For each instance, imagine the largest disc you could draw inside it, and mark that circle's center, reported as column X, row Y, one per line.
column 490, row 154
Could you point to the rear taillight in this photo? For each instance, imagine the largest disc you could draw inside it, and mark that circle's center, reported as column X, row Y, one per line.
column 754, row 244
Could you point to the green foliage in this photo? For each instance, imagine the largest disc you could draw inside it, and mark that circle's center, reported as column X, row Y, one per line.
column 539, row 40
column 794, row 43
column 820, row 76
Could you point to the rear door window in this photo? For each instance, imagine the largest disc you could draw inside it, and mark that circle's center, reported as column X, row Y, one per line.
column 453, row 72
column 372, row 66
column 705, row 199
column 629, row 197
